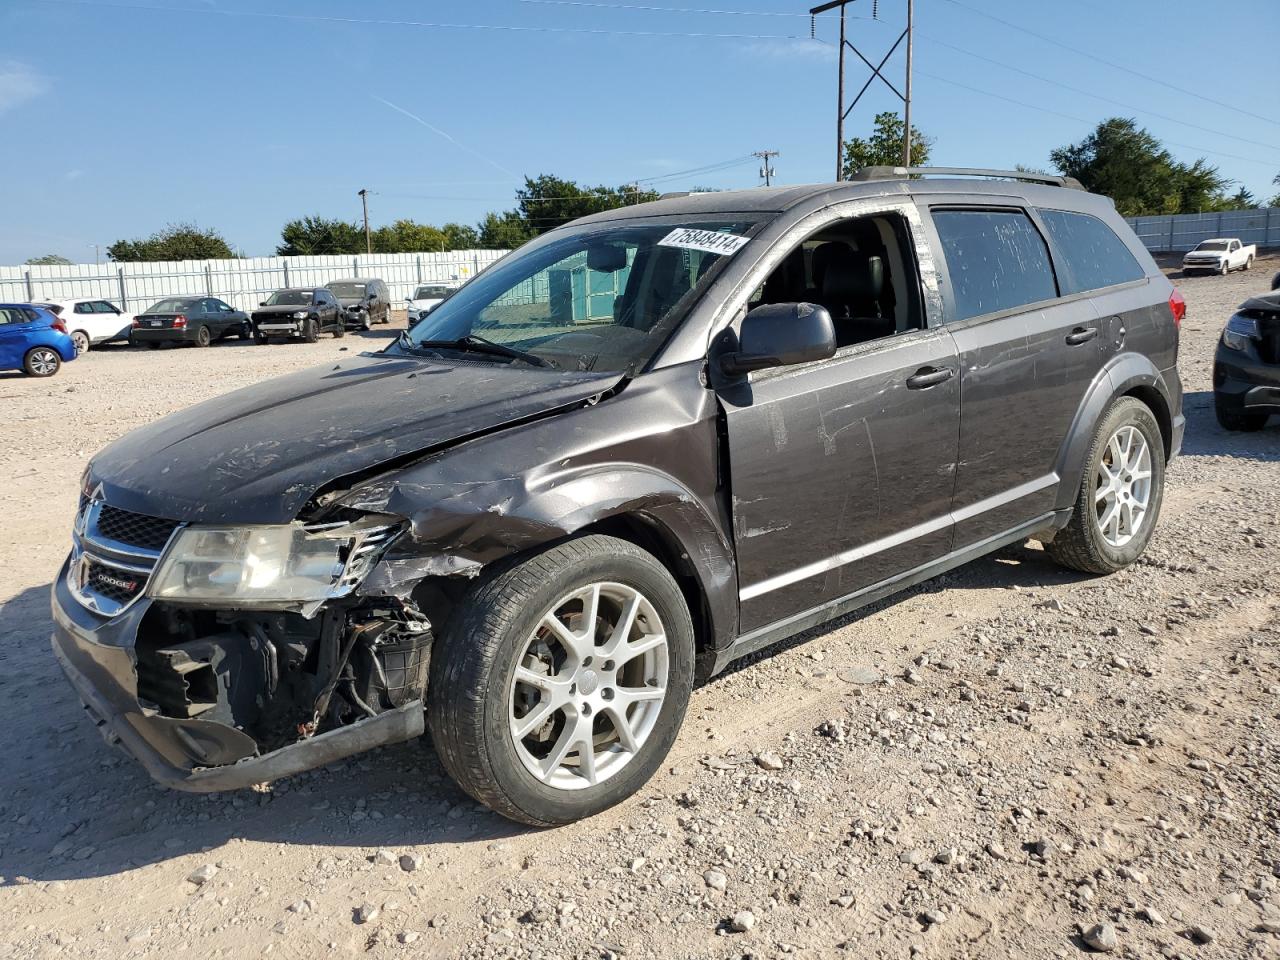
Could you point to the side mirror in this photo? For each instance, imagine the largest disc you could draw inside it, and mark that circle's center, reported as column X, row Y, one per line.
column 781, row 335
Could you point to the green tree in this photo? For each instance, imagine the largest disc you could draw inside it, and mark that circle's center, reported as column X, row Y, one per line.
column 459, row 236
column 884, row 147
column 1128, row 164
column 406, row 236
column 1275, row 201
column 177, row 241
column 49, row 259
column 504, row 231
column 547, row 202
column 319, row 236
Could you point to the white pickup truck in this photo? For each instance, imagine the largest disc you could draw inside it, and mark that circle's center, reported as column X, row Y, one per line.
column 1220, row 256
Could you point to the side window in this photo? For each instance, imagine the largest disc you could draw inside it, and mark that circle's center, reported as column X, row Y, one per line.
column 101, row 306
column 86, row 307
column 1094, row 256
column 12, row 315
column 863, row 270
column 996, row 259
column 222, row 307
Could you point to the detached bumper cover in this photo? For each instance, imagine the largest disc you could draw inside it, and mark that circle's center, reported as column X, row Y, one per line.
column 193, row 755
column 1244, row 380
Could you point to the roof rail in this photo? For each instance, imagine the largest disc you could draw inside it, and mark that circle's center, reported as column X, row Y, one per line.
column 899, row 173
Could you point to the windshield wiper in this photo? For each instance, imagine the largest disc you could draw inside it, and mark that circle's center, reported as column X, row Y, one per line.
column 475, row 344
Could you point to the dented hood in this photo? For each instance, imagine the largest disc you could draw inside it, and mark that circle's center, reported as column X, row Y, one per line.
column 258, row 455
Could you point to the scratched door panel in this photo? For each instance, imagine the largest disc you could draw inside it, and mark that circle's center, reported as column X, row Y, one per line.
column 842, row 475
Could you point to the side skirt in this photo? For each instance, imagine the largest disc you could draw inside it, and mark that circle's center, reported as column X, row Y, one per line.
column 816, row 616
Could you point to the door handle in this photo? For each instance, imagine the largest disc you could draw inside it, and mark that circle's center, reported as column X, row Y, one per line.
column 927, row 377
column 1081, row 335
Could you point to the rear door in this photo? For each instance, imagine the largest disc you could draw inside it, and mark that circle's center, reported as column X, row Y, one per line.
column 841, row 471
column 1027, row 356
column 15, row 325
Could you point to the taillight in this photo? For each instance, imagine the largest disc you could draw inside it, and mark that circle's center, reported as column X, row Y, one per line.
column 60, row 325
column 179, row 321
column 1178, row 307
column 137, row 323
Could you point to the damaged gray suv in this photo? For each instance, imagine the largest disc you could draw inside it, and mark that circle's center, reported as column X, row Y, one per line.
column 645, row 444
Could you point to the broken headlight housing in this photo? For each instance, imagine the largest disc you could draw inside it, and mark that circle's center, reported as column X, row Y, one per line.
column 284, row 565
column 1240, row 330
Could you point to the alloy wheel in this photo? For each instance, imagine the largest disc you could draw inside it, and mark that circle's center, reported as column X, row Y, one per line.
column 81, row 341
column 1122, row 487
column 589, row 686
column 44, row 361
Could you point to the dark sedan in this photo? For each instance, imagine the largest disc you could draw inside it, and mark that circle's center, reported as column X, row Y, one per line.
column 198, row 320
column 304, row 312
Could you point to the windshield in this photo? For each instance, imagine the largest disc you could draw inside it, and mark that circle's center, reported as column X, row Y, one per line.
column 169, row 306
column 347, row 291
column 1213, row 245
column 290, row 298
column 601, row 297
column 432, row 293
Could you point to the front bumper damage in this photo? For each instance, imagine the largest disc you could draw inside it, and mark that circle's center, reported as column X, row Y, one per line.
column 197, row 746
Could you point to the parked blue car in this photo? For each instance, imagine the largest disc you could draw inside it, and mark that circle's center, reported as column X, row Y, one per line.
column 33, row 340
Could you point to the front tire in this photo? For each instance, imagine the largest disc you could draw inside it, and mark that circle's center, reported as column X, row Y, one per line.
column 1248, row 263
column 340, row 330
column 559, row 685
column 309, row 334
column 41, row 362
column 1120, row 494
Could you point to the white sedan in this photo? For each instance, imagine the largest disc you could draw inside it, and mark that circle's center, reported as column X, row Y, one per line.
column 427, row 297
column 91, row 322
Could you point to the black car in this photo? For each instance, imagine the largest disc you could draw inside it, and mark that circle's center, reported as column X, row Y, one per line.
column 366, row 301
column 299, row 312
column 194, row 320
column 1246, row 367
column 649, row 442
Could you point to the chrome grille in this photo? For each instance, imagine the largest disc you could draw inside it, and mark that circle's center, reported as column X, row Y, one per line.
column 113, row 553
column 134, row 529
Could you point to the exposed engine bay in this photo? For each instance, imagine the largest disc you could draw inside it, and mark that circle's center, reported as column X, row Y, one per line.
column 280, row 677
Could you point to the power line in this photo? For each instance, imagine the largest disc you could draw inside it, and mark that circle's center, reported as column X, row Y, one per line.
column 428, row 24
column 766, row 169
column 1096, row 96
column 1110, row 63
column 653, row 9
column 1068, row 116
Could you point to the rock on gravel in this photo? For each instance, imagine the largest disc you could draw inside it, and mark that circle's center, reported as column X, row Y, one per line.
column 742, row 921
column 202, row 875
column 1101, row 937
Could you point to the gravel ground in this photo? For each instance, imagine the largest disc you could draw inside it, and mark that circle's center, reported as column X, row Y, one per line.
column 1008, row 761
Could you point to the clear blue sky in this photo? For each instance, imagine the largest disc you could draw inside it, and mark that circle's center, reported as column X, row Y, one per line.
column 123, row 115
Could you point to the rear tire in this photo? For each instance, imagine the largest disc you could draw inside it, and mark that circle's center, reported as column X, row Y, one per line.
column 203, row 337
column 581, row 676
column 1248, row 264
column 41, row 362
column 1236, row 420
column 81, row 341
column 1127, row 445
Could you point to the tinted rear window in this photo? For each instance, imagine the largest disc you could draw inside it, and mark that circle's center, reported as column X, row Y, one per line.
column 1094, row 256
column 996, row 259
column 171, row 306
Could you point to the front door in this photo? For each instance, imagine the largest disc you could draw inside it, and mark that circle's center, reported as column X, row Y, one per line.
column 841, row 471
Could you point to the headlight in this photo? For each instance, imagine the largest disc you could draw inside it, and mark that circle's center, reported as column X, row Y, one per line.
column 300, row 315
column 1240, row 330
column 268, row 565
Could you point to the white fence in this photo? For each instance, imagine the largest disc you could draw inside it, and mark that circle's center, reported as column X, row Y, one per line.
column 1184, row 230
column 241, row 283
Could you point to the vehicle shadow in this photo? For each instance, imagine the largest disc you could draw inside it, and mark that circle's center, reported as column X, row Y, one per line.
column 73, row 807
column 1204, row 437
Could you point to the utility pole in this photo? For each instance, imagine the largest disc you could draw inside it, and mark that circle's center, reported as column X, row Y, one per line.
column 876, row 73
column 766, row 171
column 906, row 110
column 364, row 201
column 97, row 260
